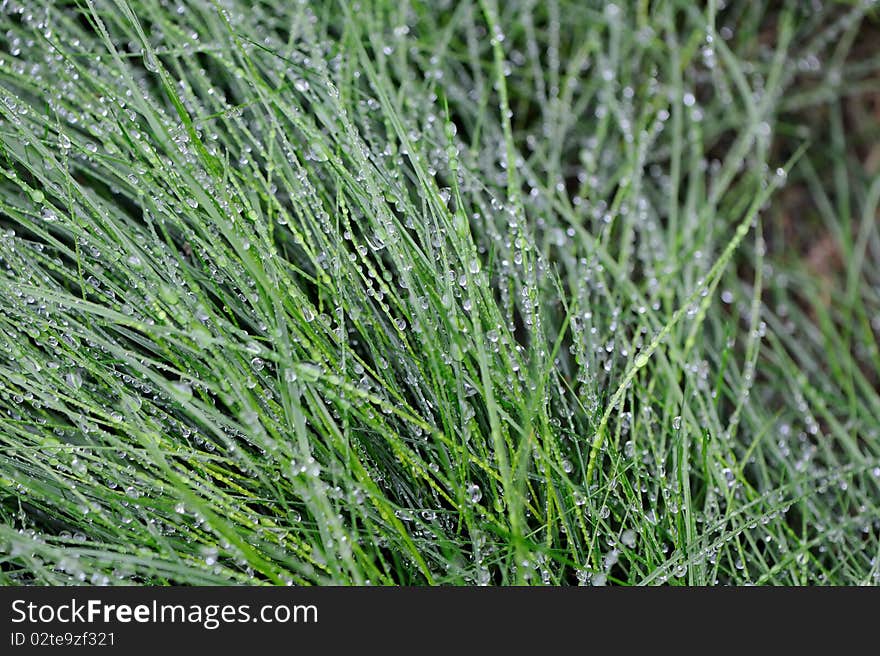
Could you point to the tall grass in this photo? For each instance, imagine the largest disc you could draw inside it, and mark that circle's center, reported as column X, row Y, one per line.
column 455, row 292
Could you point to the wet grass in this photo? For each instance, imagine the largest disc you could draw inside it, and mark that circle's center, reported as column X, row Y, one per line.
column 456, row 292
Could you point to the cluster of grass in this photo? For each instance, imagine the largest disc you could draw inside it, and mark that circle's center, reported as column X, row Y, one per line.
column 445, row 292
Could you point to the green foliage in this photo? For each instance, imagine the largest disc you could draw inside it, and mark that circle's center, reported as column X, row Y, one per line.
column 454, row 292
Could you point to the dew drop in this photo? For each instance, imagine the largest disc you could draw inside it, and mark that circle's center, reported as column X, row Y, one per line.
column 150, row 62
column 169, row 295
column 73, row 380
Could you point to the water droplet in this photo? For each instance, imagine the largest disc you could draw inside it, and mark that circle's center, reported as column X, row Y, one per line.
column 628, row 538
column 610, row 559
column 676, row 423
column 150, row 62
column 210, row 556
column 474, row 493
column 169, row 295
column 73, row 380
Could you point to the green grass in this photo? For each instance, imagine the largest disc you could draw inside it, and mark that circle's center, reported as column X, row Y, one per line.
column 447, row 293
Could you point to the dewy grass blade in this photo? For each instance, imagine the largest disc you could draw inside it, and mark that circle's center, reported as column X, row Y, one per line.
column 438, row 293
